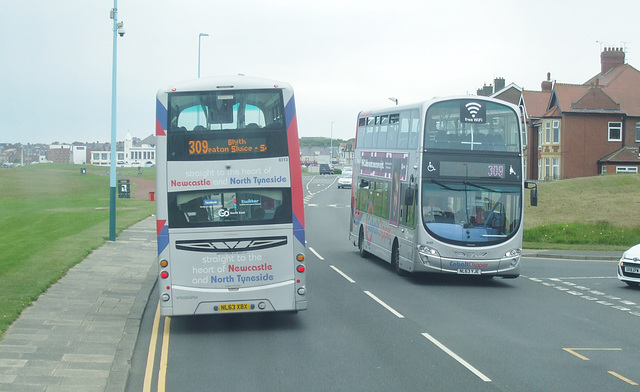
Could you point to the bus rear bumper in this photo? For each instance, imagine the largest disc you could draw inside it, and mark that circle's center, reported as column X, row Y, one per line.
column 191, row 301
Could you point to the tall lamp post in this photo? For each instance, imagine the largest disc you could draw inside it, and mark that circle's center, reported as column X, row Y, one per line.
column 331, row 147
column 394, row 99
column 117, row 29
column 200, row 36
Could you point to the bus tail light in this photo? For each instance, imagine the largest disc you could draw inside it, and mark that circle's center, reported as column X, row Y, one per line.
column 164, row 274
column 300, row 268
column 302, row 290
column 300, row 257
column 164, row 263
column 165, row 297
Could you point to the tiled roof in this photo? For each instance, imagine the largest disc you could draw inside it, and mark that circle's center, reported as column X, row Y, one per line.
column 623, row 155
column 536, row 102
column 622, row 84
column 566, row 94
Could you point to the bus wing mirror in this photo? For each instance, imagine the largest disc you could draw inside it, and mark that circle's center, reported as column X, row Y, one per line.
column 363, row 184
column 534, row 192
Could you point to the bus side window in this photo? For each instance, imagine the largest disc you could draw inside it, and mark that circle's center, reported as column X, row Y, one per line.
column 415, row 123
column 403, row 136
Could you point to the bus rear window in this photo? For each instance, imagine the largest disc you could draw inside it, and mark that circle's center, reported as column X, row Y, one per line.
column 226, row 125
column 231, row 207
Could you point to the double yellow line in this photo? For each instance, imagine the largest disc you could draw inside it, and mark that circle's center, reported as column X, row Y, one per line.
column 164, row 354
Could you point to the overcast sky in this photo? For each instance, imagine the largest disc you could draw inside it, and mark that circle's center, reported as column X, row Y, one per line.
column 340, row 56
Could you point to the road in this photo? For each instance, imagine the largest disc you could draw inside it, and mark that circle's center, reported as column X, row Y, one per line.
column 563, row 325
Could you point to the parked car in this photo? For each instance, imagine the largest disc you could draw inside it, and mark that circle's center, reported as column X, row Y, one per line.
column 325, row 169
column 629, row 266
column 344, row 181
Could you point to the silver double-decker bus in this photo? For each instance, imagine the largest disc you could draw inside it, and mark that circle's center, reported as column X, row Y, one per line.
column 438, row 187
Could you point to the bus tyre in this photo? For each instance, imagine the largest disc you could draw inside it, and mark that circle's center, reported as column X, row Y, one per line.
column 363, row 253
column 395, row 259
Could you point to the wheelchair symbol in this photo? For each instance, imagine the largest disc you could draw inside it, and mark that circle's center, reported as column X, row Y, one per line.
column 431, row 168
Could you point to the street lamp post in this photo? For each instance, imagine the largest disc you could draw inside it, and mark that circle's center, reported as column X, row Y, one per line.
column 200, row 36
column 331, row 147
column 394, row 99
column 117, row 29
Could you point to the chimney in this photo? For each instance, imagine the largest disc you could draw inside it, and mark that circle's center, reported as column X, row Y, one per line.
column 499, row 84
column 611, row 58
column 546, row 84
column 487, row 90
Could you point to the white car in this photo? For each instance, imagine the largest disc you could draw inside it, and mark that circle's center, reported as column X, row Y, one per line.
column 629, row 266
column 344, row 181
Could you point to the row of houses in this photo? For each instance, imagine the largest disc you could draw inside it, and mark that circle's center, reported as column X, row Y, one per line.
column 580, row 130
column 131, row 152
column 135, row 152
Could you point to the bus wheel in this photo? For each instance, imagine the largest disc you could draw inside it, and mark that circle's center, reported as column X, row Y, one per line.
column 363, row 253
column 395, row 259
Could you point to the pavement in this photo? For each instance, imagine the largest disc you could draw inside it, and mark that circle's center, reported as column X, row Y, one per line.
column 81, row 333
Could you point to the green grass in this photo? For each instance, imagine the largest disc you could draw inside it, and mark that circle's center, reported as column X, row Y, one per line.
column 51, row 218
column 591, row 213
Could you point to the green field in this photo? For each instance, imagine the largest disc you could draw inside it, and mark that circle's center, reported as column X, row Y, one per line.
column 51, row 218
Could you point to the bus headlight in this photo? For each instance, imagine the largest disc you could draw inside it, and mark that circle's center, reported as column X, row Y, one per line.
column 513, row 253
column 426, row 252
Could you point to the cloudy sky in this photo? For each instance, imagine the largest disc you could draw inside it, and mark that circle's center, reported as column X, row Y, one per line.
column 340, row 56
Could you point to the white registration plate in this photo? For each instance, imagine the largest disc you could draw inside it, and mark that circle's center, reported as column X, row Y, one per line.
column 632, row 270
column 469, row 271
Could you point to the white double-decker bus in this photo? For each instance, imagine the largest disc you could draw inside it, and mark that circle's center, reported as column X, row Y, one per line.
column 230, row 213
column 438, row 187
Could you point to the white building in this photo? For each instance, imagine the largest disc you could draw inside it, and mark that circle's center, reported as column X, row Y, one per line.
column 132, row 156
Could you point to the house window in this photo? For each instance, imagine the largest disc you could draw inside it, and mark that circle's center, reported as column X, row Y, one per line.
column 539, row 139
column 627, row 169
column 638, row 132
column 547, row 169
column 555, row 168
column 539, row 169
column 604, row 170
column 547, row 131
column 615, row 131
column 556, row 132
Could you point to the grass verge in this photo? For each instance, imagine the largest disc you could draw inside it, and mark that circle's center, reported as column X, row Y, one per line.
column 51, row 218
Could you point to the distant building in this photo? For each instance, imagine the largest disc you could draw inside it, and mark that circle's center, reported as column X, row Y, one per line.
column 139, row 154
column 59, row 153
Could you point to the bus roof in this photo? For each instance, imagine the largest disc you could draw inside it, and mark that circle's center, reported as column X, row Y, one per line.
column 396, row 108
column 225, row 82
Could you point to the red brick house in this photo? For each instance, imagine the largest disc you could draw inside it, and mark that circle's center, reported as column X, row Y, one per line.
column 586, row 129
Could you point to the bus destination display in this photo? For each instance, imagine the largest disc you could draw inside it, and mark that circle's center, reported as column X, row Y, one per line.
column 472, row 169
column 212, row 146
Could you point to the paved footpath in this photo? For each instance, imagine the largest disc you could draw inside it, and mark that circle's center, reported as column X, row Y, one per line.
column 80, row 334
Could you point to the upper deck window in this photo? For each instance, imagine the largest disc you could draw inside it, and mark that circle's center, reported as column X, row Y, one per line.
column 468, row 124
column 232, row 124
column 225, row 110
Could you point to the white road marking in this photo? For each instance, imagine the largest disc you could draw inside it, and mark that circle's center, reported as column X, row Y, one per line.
column 384, row 305
column 457, row 358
